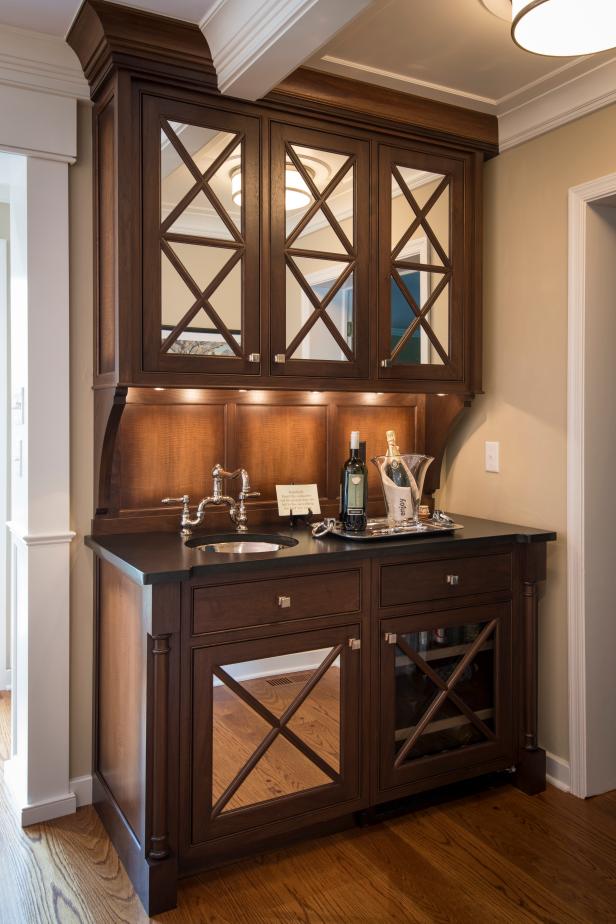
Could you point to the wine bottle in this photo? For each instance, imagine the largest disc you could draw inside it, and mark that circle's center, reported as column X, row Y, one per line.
column 354, row 489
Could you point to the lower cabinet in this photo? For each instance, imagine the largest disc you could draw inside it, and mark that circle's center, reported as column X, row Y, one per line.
column 275, row 730
column 257, row 707
column 445, row 695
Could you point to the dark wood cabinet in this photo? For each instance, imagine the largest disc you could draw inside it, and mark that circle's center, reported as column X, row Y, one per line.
column 446, row 696
column 320, row 254
column 290, row 242
column 201, row 239
column 426, row 301
column 274, row 733
column 266, row 702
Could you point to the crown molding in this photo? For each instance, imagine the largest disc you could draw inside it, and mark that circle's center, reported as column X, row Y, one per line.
column 404, row 83
column 45, row 63
column 256, row 43
column 571, row 100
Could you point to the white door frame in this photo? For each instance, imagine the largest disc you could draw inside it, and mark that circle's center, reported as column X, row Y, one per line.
column 40, row 82
column 5, row 671
column 580, row 197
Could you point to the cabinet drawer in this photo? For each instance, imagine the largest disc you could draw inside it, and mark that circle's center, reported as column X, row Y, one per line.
column 448, row 578
column 255, row 603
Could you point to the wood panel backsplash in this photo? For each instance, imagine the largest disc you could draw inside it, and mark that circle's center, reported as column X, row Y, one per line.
column 168, row 440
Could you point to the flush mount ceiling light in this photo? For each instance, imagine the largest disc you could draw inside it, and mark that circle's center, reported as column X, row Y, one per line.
column 564, row 27
column 297, row 195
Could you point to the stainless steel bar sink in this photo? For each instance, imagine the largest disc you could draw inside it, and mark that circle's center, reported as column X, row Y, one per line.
column 244, row 544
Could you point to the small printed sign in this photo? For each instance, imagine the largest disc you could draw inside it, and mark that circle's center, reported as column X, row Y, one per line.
column 297, row 499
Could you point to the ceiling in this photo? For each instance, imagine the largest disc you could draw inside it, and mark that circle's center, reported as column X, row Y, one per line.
column 450, row 50
column 454, row 50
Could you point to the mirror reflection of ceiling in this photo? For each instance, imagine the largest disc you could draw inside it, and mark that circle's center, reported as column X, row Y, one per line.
column 452, row 50
column 205, row 145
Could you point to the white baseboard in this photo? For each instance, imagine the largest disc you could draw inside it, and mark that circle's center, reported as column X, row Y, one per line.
column 558, row 772
column 47, row 811
column 5, row 680
column 81, row 787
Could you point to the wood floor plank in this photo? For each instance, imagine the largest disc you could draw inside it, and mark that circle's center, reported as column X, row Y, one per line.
column 494, row 857
column 543, row 840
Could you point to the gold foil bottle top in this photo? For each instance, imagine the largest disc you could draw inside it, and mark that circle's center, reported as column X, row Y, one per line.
column 392, row 447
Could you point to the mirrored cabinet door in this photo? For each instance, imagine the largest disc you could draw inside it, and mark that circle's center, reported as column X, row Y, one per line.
column 201, row 240
column 319, row 253
column 275, row 729
column 446, row 684
column 421, row 265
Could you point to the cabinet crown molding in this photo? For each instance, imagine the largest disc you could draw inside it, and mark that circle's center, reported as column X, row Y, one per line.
column 105, row 35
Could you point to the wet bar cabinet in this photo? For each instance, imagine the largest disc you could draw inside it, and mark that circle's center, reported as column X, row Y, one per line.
column 268, row 277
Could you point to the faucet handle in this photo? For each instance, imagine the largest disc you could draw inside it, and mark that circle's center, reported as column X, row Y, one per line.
column 244, row 495
column 184, row 500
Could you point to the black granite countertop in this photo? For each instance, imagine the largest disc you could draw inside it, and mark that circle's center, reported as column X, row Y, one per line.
column 153, row 558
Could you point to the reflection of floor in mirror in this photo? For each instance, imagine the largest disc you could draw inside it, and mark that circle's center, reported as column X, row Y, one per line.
column 489, row 857
column 284, row 768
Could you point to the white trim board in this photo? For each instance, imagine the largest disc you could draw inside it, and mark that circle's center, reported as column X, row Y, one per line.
column 579, row 199
column 558, row 772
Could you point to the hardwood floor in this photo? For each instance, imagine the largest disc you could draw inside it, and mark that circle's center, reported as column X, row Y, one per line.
column 492, row 856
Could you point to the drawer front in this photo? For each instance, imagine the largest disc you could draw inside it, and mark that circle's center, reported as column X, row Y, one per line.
column 255, row 603
column 447, row 578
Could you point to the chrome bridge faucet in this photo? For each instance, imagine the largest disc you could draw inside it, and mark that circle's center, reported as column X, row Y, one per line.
column 237, row 511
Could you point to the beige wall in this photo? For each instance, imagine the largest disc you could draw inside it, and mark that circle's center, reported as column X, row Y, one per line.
column 525, row 303
column 525, row 368
column 80, row 191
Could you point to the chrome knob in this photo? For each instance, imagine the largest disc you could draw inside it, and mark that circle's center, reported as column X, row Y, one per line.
column 284, row 602
column 453, row 579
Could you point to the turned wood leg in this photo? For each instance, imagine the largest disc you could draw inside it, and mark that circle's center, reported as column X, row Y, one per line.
column 530, row 769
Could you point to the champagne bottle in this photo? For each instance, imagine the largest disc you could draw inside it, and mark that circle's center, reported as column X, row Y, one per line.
column 354, row 489
column 395, row 469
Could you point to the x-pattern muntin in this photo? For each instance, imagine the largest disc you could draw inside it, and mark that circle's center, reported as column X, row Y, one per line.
column 446, row 691
column 319, row 305
column 237, row 244
column 420, row 220
column 279, row 727
column 420, row 217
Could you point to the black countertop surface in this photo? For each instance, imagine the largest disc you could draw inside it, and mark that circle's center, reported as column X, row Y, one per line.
column 154, row 558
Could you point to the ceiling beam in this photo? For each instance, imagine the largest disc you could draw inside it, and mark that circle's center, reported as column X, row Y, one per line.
column 256, row 43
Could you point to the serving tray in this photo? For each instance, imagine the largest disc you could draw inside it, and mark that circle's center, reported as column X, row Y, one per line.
column 377, row 528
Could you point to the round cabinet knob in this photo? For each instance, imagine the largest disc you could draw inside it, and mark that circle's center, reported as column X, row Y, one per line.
column 284, row 602
column 453, row 580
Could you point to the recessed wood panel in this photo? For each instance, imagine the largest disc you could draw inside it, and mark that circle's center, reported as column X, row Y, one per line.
column 168, row 450
column 121, row 693
column 106, row 236
column 372, row 423
column 282, row 445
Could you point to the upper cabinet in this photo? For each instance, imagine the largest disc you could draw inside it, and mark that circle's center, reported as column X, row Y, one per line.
column 326, row 237
column 424, row 293
column 319, row 254
column 200, row 240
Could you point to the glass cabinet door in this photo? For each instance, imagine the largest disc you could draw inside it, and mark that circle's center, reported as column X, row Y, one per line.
column 201, row 240
column 446, row 693
column 421, row 256
column 275, row 729
column 319, row 253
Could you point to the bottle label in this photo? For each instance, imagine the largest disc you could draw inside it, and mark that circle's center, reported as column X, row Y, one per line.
column 355, row 494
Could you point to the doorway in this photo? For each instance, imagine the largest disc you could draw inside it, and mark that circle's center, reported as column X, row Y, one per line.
column 591, row 496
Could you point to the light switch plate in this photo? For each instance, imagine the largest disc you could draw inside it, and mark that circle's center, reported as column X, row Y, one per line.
column 492, row 456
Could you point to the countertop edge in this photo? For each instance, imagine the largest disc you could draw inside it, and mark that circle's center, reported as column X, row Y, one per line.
column 359, row 550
